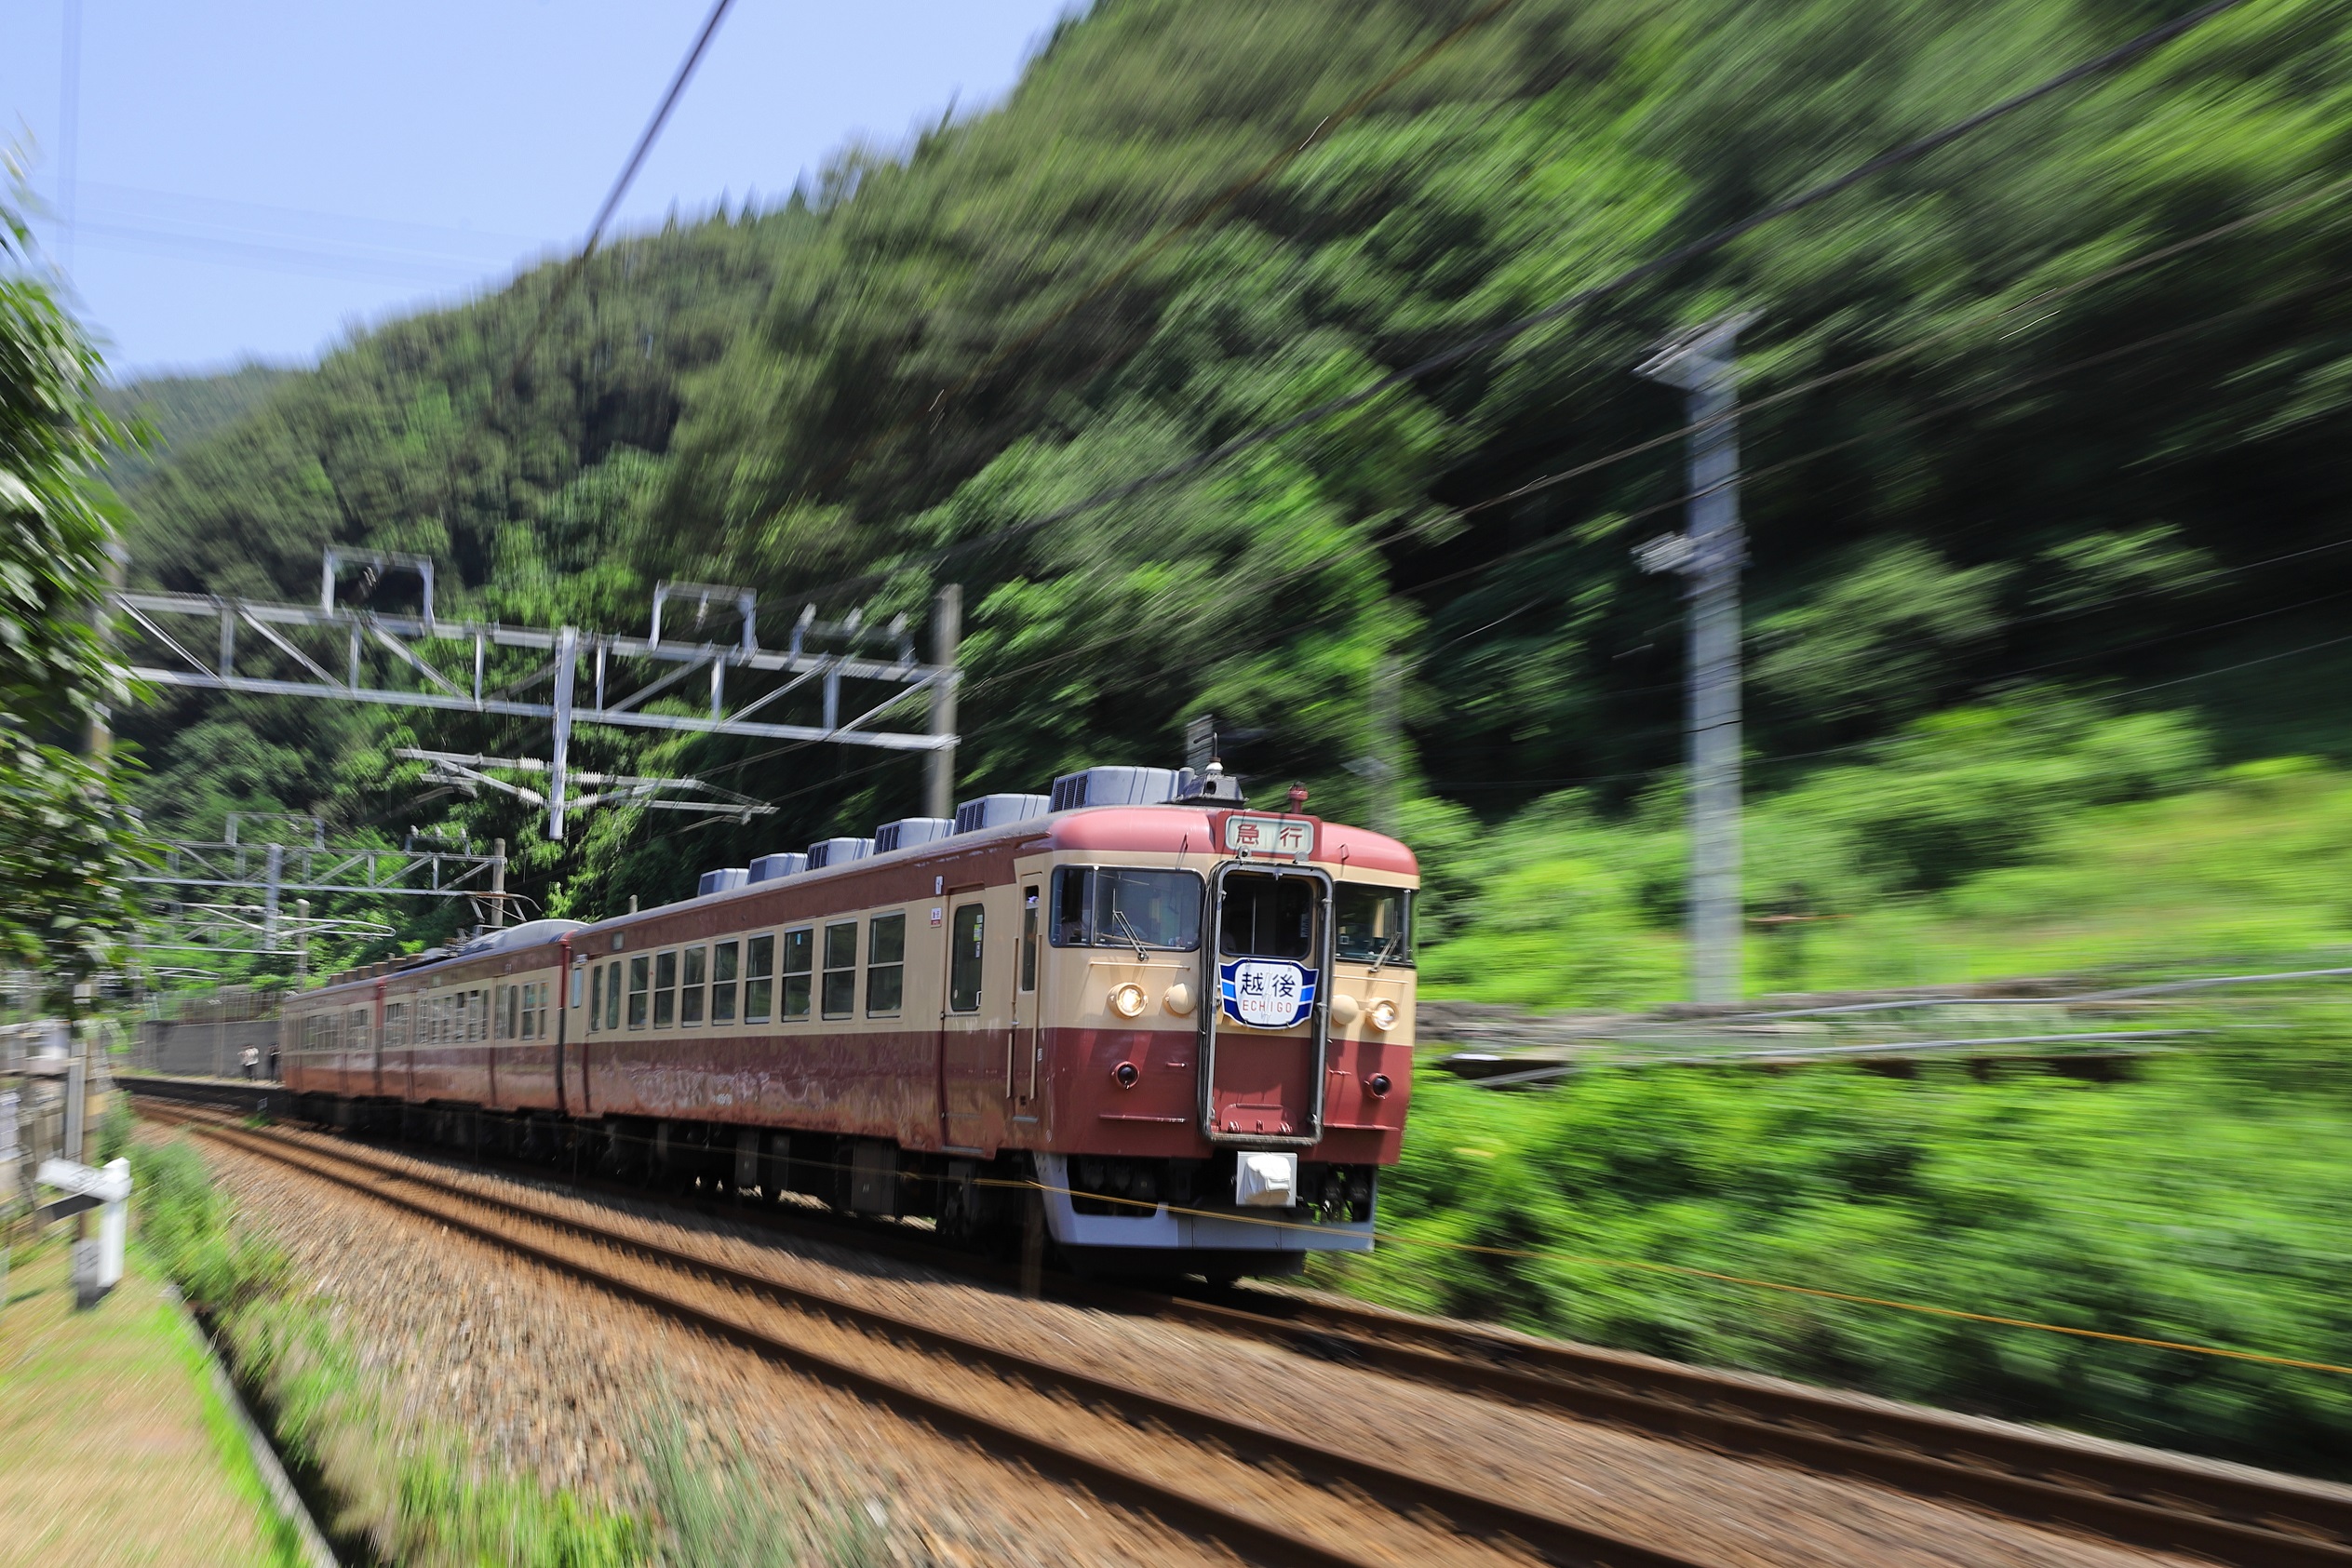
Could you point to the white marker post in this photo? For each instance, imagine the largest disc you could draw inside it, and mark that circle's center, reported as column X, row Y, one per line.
column 98, row 1265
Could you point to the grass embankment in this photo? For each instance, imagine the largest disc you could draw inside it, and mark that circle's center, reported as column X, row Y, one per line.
column 2038, row 837
column 120, row 1447
column 2208, row 1200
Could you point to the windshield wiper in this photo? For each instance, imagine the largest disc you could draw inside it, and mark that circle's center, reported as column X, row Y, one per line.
column 1121, row 916
column 1386, row 953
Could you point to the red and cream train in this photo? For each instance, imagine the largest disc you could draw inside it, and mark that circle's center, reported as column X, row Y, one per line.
column 1184, row 1026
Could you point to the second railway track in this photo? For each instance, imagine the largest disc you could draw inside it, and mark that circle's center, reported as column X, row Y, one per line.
column 2134, row 1498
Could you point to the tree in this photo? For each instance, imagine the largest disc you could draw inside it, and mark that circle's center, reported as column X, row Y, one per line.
column 68, row 845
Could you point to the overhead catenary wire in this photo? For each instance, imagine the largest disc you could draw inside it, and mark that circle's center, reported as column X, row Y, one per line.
column 567, row 279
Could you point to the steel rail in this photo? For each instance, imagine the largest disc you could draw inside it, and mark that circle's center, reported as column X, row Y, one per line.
column 1558, row 1540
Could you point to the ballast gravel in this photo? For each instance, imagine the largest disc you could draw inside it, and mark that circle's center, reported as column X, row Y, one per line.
column 555, row 1378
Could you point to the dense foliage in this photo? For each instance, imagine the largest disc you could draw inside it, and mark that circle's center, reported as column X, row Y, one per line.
column 66, row 844
column 860, row 393
column 2201, row 1203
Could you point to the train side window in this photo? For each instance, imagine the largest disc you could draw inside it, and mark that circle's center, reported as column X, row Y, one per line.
column 1028, row 940
column 885, row 964
column 613, row 995
column 511, row 1024
column 664, row 989
column 358, row 1030
column 722, row 981
column 800, row 956
column 963, row 959
column 535, row 995
column 638, row 968
column 690, row 995
column 841, row 970
column 759, row 985
column 546, row 996
column 595, row 998
column 1073, row 895
column 395, row 1026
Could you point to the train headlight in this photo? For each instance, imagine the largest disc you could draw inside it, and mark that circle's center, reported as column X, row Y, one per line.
column 1177, row 998
column 1127, row 1000
column 1384, row 1015
column 1344, row 1009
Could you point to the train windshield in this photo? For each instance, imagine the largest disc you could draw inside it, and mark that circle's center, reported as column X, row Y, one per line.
column 1113, row 906
column 1269, row 916
column 1374, row 925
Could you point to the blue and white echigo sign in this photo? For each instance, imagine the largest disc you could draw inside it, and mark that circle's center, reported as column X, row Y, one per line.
column 1267, row 993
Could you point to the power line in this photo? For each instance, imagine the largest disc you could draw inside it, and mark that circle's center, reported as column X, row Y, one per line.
column 578, row 264
column 1641, row 271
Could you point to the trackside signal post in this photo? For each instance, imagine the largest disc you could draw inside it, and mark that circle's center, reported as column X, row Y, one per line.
column 1709, row 554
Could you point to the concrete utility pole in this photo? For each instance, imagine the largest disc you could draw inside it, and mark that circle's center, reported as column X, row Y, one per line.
column 497, row 883
column 1709, row 556
column 946, row 635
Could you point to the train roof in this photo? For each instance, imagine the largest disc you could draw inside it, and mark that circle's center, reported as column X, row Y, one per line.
column 1170, row 829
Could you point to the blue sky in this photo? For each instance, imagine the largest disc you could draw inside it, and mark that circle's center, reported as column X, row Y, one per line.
column 252, row 180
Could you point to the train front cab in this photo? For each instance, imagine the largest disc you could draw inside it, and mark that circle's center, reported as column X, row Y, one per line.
column 1229, row 1042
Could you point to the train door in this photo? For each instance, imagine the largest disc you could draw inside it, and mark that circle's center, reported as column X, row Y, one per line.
column 1265, row 1018
column 972, row 1028
column 1024, row 1042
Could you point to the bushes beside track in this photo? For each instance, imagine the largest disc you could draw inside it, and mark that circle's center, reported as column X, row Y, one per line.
column 2207, row 1201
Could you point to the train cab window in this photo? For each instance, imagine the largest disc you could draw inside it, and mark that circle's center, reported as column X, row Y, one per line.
column 1268, row 916
column 885, row 964
column 1029, row 939
column 841, row 970
column 664, row 989
column 800, row 962
column 759, row 986
column 638, row 968
column 696, row 964
column 723, row 957
column 965, row 935
column 1373, row 925
column 1119, row 907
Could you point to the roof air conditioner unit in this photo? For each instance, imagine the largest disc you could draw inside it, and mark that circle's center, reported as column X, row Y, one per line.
column 1115, row 786
column 724, row 881
column 1000, row 811
column 770, row 868
column 908, row 832
column 839, row 851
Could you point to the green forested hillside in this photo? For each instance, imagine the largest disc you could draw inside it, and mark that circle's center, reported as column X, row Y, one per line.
column 2123, row 488
column 175, row 411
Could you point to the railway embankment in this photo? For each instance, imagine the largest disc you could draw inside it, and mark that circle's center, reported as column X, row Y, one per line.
column 525, row 1314
column 2152, row 1256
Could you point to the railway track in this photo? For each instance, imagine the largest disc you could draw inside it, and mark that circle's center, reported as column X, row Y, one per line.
column 1391, row 1509
column 2137, row 1499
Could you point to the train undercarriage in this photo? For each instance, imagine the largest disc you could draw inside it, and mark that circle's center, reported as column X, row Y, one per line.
column 1096, row 1213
